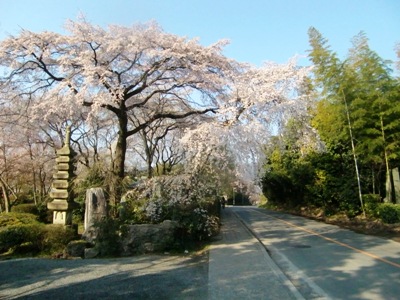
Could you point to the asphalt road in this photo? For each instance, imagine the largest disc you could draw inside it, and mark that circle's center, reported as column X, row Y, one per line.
column 322, row 259
column 319, row 261
column 139, row 277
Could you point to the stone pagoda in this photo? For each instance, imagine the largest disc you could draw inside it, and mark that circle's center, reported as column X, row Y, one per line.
column 61, row 189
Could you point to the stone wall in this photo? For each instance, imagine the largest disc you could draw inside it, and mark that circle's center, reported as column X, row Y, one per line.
column 139, row 239
column 147, row 238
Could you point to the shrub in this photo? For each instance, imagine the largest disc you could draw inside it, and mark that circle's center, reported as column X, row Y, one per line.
column 14, row 218
column 371, row 203
column 29, row 208
column 187, row 200
column 17, row 235
column 19, row 230
column 108, row 239
column 277, row 187
column 56, row 237
column 45, row 215
column 199, row 225
column 132, row 211
column 389, row 213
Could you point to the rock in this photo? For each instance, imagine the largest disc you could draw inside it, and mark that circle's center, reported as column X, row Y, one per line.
column 148, row 238
column 91, row 253
column 76, row 248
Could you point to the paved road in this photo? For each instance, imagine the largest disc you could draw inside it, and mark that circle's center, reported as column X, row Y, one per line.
column 139, row 277
column 237, row 267
column 325, row 259
column 299, row 259
column 240, row 267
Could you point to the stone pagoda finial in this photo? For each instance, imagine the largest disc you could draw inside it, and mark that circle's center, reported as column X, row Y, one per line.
column 67, row 141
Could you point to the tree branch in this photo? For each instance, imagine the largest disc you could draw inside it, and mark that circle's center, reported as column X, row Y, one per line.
column 169, row 116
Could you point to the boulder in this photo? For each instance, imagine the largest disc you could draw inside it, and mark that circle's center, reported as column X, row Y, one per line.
column 91, row 253
column 148, row 238
column 76, row 248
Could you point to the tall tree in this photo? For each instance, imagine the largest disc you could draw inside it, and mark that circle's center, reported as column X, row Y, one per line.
column 376, row 111
column 336, row 81
column 143, row 71
column 362, row 88
column 121, row 70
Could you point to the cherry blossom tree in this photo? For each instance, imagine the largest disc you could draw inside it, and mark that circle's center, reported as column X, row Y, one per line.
column 139, row 75
column 121, row 70
column 169, row 153
column 26, row 164
column 260, row 101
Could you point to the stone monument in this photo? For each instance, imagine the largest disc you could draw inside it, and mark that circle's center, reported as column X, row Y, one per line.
column 95, row 211
column 61, row 189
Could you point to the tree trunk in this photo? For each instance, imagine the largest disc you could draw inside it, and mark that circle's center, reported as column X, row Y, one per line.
column 149, row 169
column 148, row 154
column 119, row 153
column 5, row 196
column 389, row 178
column 118, row 163
column 354, row 155
column 35, row 200
column 373, row 181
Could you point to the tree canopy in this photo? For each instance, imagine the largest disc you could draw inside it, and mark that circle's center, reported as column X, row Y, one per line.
column 132, row 77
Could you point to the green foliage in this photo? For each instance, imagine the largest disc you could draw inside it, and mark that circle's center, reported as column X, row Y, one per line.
column 93, row 177
column 132, row 212
column 56, row 237
column 22, row 232
column 29, row 208
column 17, row 235
column 365, row 82
column 313, row 178
column 277, row 187
column 389, row 213
column 371, row 204
column 109, row 232
column 44, row 215
column 14, row 218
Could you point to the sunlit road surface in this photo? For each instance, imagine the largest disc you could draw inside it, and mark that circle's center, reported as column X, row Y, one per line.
column 325, row 261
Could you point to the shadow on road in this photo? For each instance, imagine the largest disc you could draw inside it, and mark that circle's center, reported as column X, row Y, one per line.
column 142, row 277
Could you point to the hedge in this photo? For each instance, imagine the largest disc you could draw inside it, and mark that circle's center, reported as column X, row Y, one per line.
column 17, row 235
column 15, row 218
column 29, row 208
column 389, row 213
column 22, row 229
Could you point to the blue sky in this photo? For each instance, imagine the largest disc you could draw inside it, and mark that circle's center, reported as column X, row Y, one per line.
column 259, row 30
